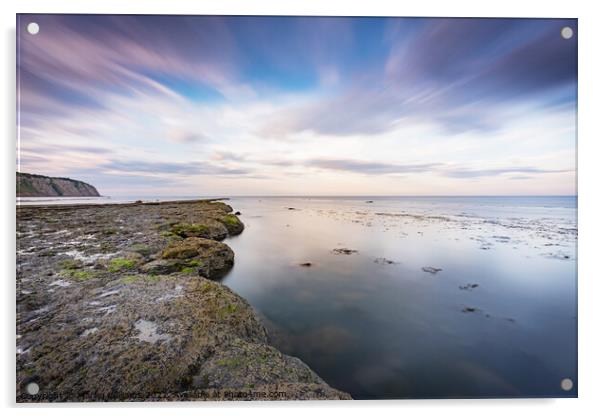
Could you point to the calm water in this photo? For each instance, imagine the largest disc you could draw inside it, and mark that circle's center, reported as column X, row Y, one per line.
column 391, row 330
column 380, row 330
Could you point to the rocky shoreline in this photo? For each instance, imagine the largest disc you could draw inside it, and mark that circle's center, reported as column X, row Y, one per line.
column 120, row 303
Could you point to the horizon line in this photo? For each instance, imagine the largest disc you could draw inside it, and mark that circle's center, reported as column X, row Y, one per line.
column 343, row 196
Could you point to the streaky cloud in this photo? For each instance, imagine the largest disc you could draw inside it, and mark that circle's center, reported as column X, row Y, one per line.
column 366, row 167
column 458, row 73
column 380, row 168
column 477, row 173
column 183, row 168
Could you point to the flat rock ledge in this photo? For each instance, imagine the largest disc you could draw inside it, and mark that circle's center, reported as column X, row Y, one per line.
column 117, row 303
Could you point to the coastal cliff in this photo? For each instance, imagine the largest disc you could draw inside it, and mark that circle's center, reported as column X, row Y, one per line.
column 123, row 303
column 30, row 185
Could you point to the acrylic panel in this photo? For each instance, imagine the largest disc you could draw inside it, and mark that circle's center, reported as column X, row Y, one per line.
column 295, row 208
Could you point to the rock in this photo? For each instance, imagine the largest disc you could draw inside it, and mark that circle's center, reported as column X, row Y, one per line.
column 71, row 264
column 142, row 249
column 209, row 228
column 230, row 366
column 432, row 270
column 220, row 206
column 160, row 267
column 213, row 258
column 369, row 202
column 382, row 260
column 237, row 213
column 184, row 249
column 469, row 309
column 142, row 323
column 558, row 255
column 134, row 256
column 203, row 339
column 345, row 251
column 308, row 264
column 232, row 223
column 469, row 286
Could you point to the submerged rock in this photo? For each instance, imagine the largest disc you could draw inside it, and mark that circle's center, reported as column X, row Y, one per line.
column 432, row 270
column 468, row 286
column 384, row 261
column 558, row 255
column 345, row 251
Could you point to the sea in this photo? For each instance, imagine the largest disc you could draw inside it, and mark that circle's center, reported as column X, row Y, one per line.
column 412, row 297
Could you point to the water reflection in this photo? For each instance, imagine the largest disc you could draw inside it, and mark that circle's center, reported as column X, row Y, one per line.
column 377, row 325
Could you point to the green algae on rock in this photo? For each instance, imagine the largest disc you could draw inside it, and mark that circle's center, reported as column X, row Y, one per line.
column 129, row 315
column 232, row 223
column 121, row 264
column 212, row 258
column 210, row 228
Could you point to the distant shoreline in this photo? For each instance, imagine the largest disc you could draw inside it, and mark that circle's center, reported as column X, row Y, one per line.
column 121, row 204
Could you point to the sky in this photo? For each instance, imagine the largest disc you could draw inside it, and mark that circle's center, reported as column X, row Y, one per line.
column 222, row 106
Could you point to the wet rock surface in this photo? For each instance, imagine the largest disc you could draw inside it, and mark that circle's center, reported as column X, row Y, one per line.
column 114, row 303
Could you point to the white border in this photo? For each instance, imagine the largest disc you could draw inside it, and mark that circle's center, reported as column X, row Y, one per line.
column 590, row 208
